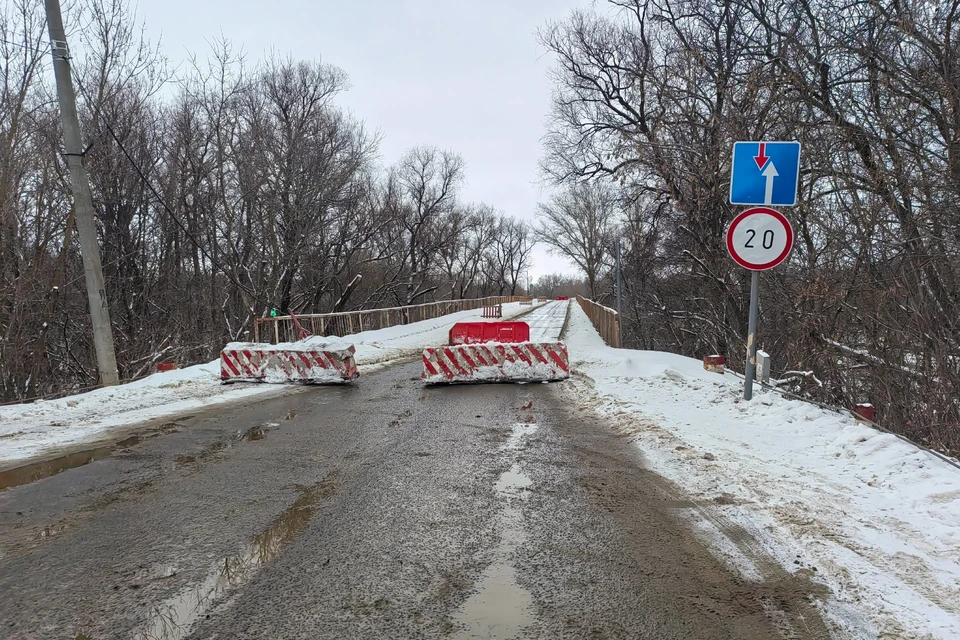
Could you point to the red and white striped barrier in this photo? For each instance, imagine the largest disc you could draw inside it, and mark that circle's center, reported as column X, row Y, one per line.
column 269, row 363
column 495, row 362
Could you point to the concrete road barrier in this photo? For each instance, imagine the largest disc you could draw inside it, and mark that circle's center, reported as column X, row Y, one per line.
column 495, row 362
column 317, row 364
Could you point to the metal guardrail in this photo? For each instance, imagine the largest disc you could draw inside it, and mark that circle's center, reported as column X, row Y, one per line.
column 605, row 320
column 492, row 311
column 285, row 328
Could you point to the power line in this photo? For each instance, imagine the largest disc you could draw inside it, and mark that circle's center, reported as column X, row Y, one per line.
column 159, row 198
column 38, row 47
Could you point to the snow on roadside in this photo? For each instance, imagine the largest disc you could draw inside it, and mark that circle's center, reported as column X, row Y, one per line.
column 40, row 428
column 877, row 518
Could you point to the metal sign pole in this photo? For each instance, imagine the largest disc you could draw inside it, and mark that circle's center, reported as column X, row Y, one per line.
column 751, row 368
column 762, row 173
column 619, row 297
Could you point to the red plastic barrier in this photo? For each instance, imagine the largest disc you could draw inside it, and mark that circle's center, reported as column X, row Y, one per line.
column 563, row 297
column 480, row 332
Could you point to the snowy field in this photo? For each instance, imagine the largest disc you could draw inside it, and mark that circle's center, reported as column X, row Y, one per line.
column 41, row 428
column 872, row 517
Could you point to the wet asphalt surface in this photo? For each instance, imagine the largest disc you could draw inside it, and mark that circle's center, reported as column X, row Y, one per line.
column 378, row 510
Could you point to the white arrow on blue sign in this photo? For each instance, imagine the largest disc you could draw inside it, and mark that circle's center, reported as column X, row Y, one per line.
column 765, row 173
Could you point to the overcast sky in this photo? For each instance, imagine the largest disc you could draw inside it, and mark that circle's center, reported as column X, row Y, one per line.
column 465, row 75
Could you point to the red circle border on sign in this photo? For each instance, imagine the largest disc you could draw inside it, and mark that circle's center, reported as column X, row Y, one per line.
column 767, row 265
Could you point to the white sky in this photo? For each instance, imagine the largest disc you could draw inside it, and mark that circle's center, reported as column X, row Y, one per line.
column 465, row 75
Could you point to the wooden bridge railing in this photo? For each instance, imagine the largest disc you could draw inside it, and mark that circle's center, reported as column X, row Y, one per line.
column 605, row 320
column 284, row 328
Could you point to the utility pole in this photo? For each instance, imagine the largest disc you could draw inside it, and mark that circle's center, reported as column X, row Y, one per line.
column 83, row 203
column 619, row 297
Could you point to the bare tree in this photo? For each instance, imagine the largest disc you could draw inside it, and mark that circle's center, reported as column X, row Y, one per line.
column 430, row 180
column 242, row 187
column 579, row 223
column 509, row 255
column 555, row 284
column 26, row 177
column 651, row 96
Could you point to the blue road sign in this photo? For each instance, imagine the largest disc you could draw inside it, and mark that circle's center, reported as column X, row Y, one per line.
column 765, row 173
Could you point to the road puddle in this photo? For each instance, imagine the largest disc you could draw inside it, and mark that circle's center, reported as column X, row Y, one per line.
column 512, row 481
column 258, row 432
column 518, row 436
column 174, row 618
column 44, row 469
column 501, row 607
column 47, row 468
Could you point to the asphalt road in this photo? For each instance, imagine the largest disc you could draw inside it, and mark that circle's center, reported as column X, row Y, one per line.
column 378, row 510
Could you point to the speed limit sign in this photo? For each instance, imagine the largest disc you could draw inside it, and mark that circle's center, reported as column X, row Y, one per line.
column 759, row 238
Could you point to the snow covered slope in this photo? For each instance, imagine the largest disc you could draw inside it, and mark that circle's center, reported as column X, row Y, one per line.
column 29, row 430
column 874, row 518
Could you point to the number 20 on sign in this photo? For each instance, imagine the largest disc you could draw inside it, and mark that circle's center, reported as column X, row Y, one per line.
column 759, row 238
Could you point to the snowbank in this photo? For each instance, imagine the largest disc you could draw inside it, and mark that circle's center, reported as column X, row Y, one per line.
column 28, row 430
column 40, row 428
column 878, row 519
